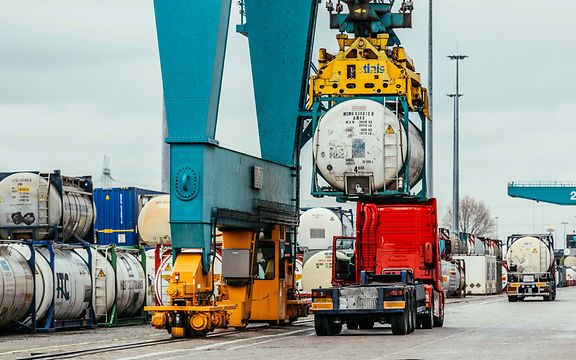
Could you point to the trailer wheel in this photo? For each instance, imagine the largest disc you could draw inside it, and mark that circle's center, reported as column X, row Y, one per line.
column 352, row 325
column 400, row 323
column 512, row 298
column 326, row 326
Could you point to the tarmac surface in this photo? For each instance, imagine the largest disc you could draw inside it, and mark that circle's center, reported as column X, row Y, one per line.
column 486, row 327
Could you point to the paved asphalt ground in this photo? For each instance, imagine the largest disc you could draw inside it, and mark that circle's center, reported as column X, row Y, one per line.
column 475, row 328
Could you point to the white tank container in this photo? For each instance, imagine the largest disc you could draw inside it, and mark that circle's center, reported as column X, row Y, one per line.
column 27, row 200
column 17, row 284
column 131, row 284
column 19, row 203
column 363, row 137
column 570, row 274
column 43, row 280
column 570, row 261
column 317, row 271
column 317, row 228
column 78, row 215
column 154, row 221
column 103, row 282
column 452, row 277
column 529, row 255
column 72, row 284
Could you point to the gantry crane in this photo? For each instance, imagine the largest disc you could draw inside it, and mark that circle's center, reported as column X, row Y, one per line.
column 255, row 201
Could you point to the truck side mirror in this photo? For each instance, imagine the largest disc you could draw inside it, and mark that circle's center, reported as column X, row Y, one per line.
column 428, row 254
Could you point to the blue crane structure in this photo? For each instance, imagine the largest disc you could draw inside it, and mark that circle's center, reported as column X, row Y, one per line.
column 553, row 192
column 213, row 185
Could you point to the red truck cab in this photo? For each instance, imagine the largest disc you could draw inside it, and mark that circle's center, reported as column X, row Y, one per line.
column 396, row 261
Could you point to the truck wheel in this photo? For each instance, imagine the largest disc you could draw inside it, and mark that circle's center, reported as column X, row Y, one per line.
column 400, row 323
column 439, row 320
column 325, row 326
column 427, row 319
column 412, row 312
column 352, row 325
column 366, row 324
column 512, row 298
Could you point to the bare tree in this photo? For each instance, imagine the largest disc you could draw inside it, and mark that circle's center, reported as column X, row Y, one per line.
column 475, row 218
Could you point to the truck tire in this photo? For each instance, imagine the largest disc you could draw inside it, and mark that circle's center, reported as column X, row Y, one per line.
column 512, row 298
column 400, row 323
column 412, row 307
column 366, row 324
column 326, row 326
column 439, row 320
column 427, row 319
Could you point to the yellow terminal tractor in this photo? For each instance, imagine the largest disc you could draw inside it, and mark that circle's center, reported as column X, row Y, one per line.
column 257, row 284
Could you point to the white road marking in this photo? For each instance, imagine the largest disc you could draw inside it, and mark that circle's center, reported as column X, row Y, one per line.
column 267, row 341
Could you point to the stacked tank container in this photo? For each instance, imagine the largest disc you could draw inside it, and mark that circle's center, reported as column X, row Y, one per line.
column 52, row 277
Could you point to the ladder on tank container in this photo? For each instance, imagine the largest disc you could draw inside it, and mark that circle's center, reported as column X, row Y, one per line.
column 391, row 152
column 543, row 262
column 43, row 190
column 100, row 289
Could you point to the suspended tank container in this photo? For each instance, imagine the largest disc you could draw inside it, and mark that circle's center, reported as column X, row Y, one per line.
column 117, row 211
column 363, row 147
column 39, row 206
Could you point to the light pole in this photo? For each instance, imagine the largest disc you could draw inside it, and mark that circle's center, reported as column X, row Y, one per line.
column 430, row 137
column 497, row 233
column 564, row 238
column 456, row 160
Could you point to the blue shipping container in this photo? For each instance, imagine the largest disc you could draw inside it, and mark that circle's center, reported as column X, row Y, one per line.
column 117, row 212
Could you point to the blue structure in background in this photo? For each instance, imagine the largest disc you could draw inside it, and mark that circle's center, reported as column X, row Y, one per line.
column 117, row 211
column 553, row 192
column 212, row 186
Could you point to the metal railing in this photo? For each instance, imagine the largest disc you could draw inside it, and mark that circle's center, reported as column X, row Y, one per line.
column 542, row 184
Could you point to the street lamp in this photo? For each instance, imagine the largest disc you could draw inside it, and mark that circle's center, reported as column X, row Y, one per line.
column 430, row 137
column 564, row 238
column 456, row 161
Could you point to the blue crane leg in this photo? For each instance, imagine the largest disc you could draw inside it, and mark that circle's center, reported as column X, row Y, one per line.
column 280, row 36
column 192, row 43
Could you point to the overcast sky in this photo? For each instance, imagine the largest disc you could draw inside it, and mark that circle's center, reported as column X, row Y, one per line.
column 80, row 79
